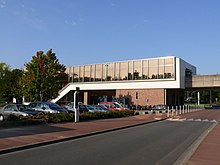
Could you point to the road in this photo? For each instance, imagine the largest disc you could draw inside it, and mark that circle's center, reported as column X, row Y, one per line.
column 156, row 143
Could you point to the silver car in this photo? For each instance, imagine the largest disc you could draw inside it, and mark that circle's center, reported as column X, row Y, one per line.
column 11, row 109
column 47, row 107
column 1, row 115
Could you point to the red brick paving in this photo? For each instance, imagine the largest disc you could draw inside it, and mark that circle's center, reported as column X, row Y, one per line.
column 208, row 152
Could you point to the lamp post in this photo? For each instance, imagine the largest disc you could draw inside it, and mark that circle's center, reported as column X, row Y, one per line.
column 136, row 100
column 74, row 105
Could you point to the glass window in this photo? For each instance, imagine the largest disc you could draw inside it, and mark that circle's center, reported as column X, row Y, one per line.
column 87, row 73
column 124, row 71
column 81, row 73
column 10, row 108
column 130, row 70
column 161, row 69
column 153, row 68
column 145, row 70
column 105, row 72
column 98, row 76
column 110, row 72
column 92, row 73
column 76, row 73
column 117, row 73
column 169, row 68
column 137, row 70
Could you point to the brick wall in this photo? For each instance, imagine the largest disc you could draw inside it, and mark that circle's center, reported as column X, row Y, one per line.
column 154, row 96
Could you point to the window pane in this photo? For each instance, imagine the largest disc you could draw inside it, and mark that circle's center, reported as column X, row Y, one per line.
column 130, row 70
column 137, row 70
column 98, row 72
column 124, row 71
column 81, row 74
column 117, row 75
column 105, row 72
column 92, row 72
column 110, row 72
column 161, row 69
column 145, row 69
column 153, row 68
column 87, row 73
column 169, row 68
column 76, row 73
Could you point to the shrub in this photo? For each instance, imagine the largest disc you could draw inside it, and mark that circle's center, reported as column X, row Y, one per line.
column 43, row 118
column 104, row 115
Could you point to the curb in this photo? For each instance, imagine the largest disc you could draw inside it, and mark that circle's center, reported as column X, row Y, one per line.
column 185, row 156
column 20, row 148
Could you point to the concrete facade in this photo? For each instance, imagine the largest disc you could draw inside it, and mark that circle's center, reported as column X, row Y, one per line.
column 203, row 81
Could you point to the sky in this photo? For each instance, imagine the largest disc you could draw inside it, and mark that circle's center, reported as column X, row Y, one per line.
column 97, row 31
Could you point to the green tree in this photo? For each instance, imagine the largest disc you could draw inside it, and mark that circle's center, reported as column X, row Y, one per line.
column 44, row 76
column 4, row 70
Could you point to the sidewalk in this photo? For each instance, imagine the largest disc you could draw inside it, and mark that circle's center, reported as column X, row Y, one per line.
column 14, row 139
column 208, row 152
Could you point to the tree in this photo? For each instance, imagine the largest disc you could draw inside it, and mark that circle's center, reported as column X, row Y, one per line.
column 13, row 87
column 4, row 70
column 44, row 76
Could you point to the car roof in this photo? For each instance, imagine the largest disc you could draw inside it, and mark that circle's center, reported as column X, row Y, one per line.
column 108, row 102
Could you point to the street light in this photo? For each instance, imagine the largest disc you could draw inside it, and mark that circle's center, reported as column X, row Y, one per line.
column 74, row 105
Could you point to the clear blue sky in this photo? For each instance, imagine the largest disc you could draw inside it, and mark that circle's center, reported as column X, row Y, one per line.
column 95, row 31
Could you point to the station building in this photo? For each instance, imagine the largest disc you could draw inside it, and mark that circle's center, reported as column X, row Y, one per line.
column 142, row 82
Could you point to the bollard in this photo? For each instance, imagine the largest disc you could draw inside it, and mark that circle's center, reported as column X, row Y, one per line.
column 168, row 112
column 172, row 111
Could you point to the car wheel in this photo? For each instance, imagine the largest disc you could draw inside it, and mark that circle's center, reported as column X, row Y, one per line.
column 1, row 118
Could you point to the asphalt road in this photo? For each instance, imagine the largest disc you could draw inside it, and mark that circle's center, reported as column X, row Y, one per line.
column 155, row 143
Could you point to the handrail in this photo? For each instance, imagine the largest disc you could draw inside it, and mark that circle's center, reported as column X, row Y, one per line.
column 64, row 87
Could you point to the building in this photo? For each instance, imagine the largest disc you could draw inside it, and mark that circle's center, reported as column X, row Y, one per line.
column 142, row 82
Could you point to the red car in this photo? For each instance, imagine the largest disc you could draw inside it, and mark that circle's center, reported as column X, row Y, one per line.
column 114, row 106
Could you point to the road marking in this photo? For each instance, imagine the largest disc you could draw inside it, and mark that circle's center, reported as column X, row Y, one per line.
column 192, row 119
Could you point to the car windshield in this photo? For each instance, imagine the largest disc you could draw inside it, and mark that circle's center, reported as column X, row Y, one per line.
column 22, row 107
column 101, row 107
column 90, row 107
column 53, row 106
column 117, row 105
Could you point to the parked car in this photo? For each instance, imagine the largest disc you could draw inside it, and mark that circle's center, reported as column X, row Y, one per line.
column 159, row 107
column 101, row 108
column 81, row 107
column 18, row 110
column 215, row 106
column 97, row 108
column 91, row 108
column 47, row 107
column 114, row 106
column 1, row 115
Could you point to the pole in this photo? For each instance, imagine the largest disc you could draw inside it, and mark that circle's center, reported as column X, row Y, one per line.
column 74, row 104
